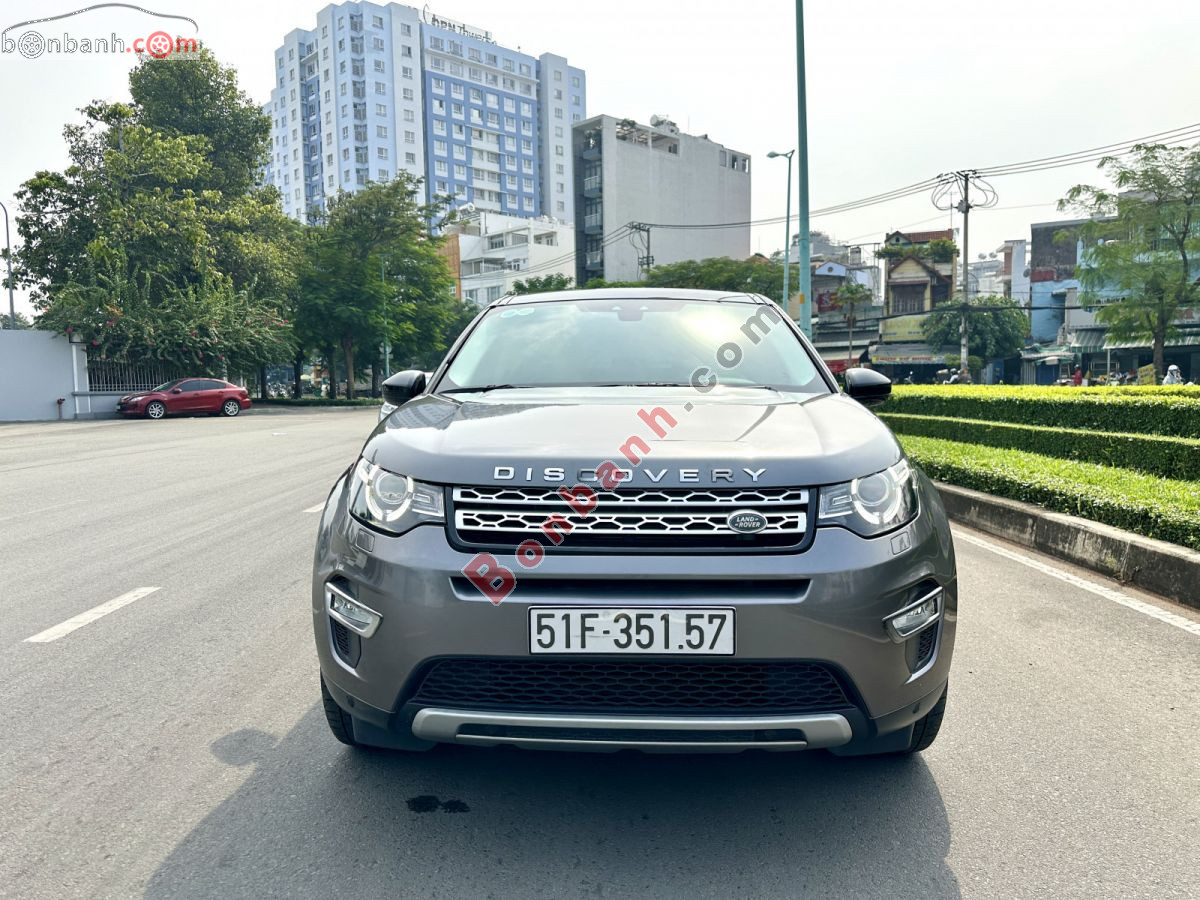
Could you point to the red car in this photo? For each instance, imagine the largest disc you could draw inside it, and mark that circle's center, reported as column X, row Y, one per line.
column 186, row 395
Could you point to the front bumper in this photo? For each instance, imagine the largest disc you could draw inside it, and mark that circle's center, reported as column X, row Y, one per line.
column 844, row 588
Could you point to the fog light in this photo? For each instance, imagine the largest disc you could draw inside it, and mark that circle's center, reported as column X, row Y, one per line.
column 360, row 619
column 915, row 616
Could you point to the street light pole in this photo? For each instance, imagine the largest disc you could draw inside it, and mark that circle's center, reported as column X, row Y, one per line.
column 802, row 147
column 387, row 337
column 12, row 308
column 787, row 230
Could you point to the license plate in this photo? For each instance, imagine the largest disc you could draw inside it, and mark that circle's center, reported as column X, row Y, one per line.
column 672, row 630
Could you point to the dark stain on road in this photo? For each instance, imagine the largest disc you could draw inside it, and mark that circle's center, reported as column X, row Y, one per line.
column 429, row 803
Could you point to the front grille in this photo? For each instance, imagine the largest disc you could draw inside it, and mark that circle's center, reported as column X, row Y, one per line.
column 631, row 519
column 630, row 686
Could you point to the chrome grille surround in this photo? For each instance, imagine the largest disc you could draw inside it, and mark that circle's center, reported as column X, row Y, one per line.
column 632, row 518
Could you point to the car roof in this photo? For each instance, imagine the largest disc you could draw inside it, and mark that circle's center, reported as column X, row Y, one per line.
column 630, row 294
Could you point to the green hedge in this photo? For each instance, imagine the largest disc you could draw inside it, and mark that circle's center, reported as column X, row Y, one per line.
column 1169, row 457
column 1171, row 411
column 1155, row 507
column 317, row 401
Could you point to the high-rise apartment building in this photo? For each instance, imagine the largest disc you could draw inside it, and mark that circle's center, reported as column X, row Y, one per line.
column 376, row 89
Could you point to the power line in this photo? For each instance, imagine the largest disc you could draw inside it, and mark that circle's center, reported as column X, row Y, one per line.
column 1175, row 135
column 1182, row 134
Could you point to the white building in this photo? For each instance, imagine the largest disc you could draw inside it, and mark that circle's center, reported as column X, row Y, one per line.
column 489, row 252
column 985, row 276
column 1014, row 272
column 379, row 88
column 347, row 104
column 654, row 175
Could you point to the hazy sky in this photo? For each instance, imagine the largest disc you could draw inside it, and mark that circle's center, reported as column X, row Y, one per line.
column 897, row 92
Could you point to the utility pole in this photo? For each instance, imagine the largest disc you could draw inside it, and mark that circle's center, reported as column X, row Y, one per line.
column 646, row 261
column 964, row 207
column 802, row 152
column 387, row 338
column 850, row 340
column 787, row 228
column 949, row 185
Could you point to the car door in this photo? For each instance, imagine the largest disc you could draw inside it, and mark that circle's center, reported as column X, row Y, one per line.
column 214, row 393
column 188, row 396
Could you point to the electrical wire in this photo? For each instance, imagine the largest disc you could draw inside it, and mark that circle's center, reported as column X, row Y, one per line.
column 1183, row 134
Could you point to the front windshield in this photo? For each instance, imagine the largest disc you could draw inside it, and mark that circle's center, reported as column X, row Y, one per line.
column 167, row 385
column 633, row 341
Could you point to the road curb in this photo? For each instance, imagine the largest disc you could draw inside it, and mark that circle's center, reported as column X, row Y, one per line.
column 1156, row 566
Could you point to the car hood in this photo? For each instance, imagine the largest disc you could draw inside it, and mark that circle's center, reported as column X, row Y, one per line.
column 729, row 436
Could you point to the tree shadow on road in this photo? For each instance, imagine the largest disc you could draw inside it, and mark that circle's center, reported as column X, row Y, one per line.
column 317, row 819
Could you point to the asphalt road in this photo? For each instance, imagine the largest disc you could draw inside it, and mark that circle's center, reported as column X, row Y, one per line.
column 176, row 747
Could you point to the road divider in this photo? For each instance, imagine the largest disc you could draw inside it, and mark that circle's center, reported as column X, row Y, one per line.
column 86, row 618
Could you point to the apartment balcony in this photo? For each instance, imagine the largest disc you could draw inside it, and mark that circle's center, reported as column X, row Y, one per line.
column 593, row 223
column 594, row 259
column 591, row 186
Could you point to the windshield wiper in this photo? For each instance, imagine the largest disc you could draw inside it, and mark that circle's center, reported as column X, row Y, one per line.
column 482, row 388
column 642, row 384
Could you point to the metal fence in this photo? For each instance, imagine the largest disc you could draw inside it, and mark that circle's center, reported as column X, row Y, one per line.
column 105, row 375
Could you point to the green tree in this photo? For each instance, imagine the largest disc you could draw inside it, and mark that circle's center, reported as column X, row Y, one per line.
column 146, row 248
column 850, row 298
column 756, row 275
column 1141, row 241
column 19, row 322
column 373, row 271
column 537, row 284
column 199, row 97
column 996, row 327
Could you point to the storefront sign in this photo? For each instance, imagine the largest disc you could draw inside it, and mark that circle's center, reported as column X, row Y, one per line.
column 1146, row 374
column 903, row 329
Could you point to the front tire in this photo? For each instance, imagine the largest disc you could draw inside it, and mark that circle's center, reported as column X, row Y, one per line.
column 155, row 409
column 927, row 728
column 340, row 722
column 230, row 408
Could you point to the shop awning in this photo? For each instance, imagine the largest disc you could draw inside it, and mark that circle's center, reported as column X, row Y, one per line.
column 1189, row 337
column 907, row 354
column 1088, row 340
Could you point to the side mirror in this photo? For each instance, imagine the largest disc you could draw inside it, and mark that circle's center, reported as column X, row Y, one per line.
column 176, row 390
column 867, row 386
column 403, row 386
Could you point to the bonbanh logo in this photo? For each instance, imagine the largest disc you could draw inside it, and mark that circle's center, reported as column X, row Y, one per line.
column 159, row 44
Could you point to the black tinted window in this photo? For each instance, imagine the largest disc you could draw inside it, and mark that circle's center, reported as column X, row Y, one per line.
column 212, row 385
column 193, row 385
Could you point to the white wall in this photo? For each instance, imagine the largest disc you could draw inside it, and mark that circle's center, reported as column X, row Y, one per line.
column 36, row 369
column 641, row 184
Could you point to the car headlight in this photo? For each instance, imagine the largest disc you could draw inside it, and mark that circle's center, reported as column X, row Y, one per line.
column 872, row 504
column 137, row 398
column 390, row 502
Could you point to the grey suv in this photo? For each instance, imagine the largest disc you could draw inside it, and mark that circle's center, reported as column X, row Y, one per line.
column 634, row 519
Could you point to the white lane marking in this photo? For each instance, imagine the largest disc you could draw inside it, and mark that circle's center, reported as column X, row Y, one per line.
column 84, row 618
column 1099, row 590
column 320, row 506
